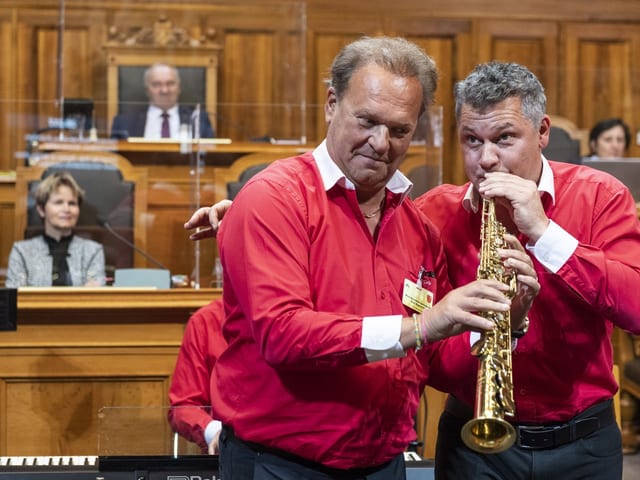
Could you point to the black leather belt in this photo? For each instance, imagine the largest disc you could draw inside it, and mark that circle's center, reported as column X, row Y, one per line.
column 336, row 473
column 538, row 437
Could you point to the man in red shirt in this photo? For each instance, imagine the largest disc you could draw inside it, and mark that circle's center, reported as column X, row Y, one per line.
column 189, row 395
column 324, row 257
column 581, row 229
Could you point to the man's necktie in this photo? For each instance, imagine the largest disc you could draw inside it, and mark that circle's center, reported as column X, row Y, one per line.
column 164, row 132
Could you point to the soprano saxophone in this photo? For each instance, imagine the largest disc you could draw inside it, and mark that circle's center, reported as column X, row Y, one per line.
column 488, row 431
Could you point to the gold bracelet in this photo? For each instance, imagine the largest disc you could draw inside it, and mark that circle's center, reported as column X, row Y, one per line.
column 418, row 331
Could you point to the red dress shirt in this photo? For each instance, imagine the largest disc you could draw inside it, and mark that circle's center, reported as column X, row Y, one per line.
column 563, row 364
column 300, row 271
column 189, row 394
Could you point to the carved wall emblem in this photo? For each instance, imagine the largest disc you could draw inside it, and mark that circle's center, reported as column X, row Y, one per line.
column 162, row 33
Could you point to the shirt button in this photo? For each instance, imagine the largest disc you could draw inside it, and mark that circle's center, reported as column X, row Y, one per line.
column 382, row 295
column 523, row 391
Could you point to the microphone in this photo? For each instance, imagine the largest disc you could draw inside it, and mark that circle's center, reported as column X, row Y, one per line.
column 102, row 221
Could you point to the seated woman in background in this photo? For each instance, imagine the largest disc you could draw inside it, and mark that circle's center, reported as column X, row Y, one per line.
column 609, row 138
column 57, row 257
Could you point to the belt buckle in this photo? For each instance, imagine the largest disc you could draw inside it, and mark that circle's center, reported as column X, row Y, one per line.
column 536, row 437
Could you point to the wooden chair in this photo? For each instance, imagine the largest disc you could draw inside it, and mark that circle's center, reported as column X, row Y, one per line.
column 115, row 191
column 573, row 132
column 234, row 187
column 562, row 147
column 229, row 180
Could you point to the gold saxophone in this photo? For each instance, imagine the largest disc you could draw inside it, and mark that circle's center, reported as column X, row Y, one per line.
column 488, row 431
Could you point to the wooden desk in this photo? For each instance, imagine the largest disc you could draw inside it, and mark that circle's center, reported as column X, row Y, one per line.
column 77, row 350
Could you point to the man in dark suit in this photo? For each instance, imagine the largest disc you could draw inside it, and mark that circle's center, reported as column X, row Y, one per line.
column 163, row 117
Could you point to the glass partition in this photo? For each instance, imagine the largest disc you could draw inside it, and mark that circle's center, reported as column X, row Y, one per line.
column 237, row 71
column 245, row 98
column 428, row 174
column 138, row 430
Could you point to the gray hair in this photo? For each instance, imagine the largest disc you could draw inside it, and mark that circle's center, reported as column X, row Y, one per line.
column 493, row 82
column 396, row 55
column 149, row 71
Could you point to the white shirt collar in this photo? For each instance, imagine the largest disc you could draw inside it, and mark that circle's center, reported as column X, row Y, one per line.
column 332, row 175
column 545, row 185
column 157, row 111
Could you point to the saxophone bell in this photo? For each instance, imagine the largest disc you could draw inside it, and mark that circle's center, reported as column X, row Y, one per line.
column 488, row 435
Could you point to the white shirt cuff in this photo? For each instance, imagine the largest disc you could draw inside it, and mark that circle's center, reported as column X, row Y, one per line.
column 381, row 337
column 212, row 429
column 554, row 247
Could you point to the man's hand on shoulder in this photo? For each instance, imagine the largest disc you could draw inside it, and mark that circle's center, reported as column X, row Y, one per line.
column 207, row 220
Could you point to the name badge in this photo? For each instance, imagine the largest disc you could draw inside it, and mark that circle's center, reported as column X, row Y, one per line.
column 416, row 297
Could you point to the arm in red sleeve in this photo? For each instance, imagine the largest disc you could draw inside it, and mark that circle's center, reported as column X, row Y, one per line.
column 605, row 267
column 189, row 396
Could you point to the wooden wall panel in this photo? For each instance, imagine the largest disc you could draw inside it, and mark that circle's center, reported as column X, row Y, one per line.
column 246, row 110
column 77, row 80
column 619, row 10
column 602, row 68
column 325, row 46
column 24, row 110
column 533, row 44
column 448, row 42
column 46, row 74
column 7, row 90
column 328, row 32
column 289, row 84
column 52, row 416
column 36, row 69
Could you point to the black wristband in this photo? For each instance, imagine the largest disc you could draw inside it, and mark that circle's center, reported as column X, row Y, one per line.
column 523, row 331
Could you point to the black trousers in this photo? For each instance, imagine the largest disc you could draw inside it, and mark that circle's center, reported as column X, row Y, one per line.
column 597, row 456
column 240, row 460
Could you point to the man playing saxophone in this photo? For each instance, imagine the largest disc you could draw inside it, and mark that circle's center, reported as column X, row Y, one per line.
column 581, row 230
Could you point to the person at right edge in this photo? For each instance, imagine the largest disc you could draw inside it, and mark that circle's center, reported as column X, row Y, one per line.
column 335, row 289
column 581, row 229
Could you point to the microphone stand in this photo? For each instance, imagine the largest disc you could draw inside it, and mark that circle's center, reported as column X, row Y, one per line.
column 196, row 156
column 60, row 60
column 107, row 225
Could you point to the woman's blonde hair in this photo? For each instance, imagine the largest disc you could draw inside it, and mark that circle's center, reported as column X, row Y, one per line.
column 51, row 184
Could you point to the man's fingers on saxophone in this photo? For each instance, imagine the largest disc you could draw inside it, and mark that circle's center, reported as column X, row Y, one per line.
column 513, row 243
column 521, row 264
column 529, row 281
